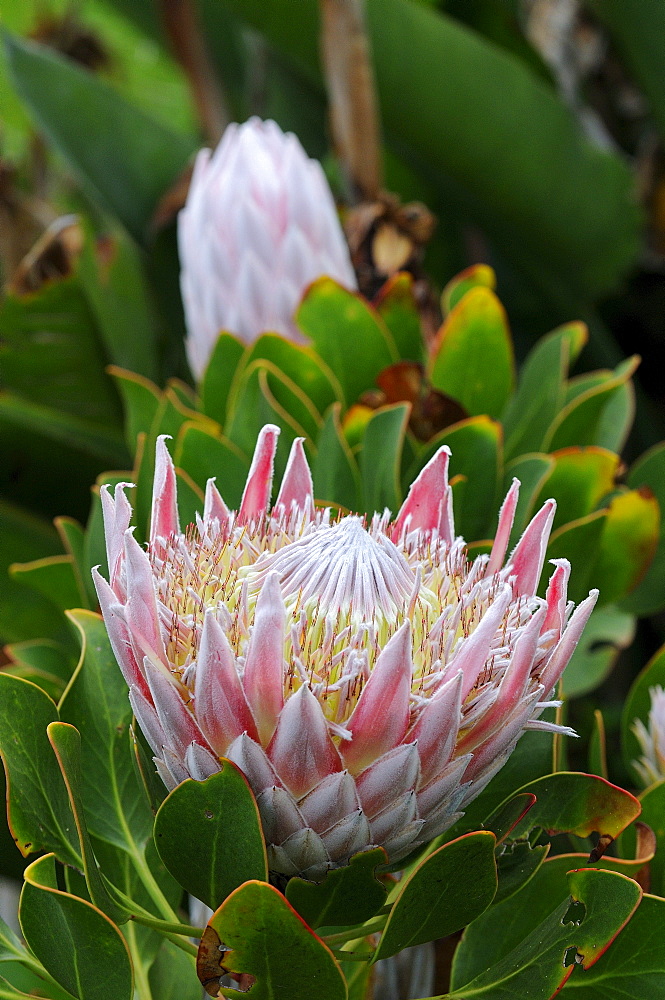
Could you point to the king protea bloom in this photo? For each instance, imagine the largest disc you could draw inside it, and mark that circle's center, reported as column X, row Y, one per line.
column 258, row 226
column 651, row 765
column 364, row 676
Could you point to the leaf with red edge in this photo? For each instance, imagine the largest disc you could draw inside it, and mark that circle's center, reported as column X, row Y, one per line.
column 397, row 307
column 258, row 939
column 512, row 952
column 573, row 802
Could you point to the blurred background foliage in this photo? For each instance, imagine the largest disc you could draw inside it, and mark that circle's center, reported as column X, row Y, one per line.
column 532, row 129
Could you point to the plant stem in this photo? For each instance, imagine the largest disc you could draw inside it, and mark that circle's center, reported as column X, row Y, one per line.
column 167, row 927
column 356, row 933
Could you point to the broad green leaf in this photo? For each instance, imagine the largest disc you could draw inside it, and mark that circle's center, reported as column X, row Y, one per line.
column 79, row 946
column 573, row 802
column 581, row 421
column 348, row 895
column 46, row 663
column 504, row 819
column 579, row 480
column 254, row 405
column 220, row 816
column 302, row 365
column 628, row 543
column 381, row 457
column 477, row 275
column 124, row 159
column 23, row 612
column 335, row 471
column 72, row 536
column 263, row 937
column 38, row 809
column 397, row 307
column 634, row 967
column 112, row 277
column 53, row 577
column 606, row 634
column 141, row 401
column 530, row 944
column 472, row 358
column 476, row 459
column 653, row 814
column 449, row 112
column 516, row 863
column 617, row 418
column 219, row 374
column 578, row 542
column 541, row 388
column 99, row 440
column 649, row 595
column 173, row 975
column 66, row 743
column 638, row 704
column 532, row 471
column 348, row 334
column 204, row 456
column 96, row 702
column 447, row 891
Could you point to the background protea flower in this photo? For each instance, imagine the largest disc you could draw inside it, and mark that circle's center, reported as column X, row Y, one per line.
column 259, row 225
column 367, row 679
column 651, row 765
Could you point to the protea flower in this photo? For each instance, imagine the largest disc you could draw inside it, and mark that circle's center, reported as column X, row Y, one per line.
column 366, row 678
column 259, row 225
column 651, row 765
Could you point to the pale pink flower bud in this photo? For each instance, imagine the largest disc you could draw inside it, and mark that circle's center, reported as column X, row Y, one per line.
column 258, row 226
column 651, row 765
column 367, row 679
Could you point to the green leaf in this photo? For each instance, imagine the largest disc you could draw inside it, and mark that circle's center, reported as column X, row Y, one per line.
column 578, row 542
column 381, row 456
column 606, row 634
column 476, row 458
column 112, row 277
column 124, row 159
column 348, row 895
column 527, row 960
column 42, row 661
column 572, row 802
column 66, row 743
column 579, row 480
column 649, row 595
column 634, row 967
column 532, row 471
column 141, row 402
column 173, row 975
column 447, row 891
column 516, row 864
column 338, row 321
column 638, row 704
column 72, row 536
column 203, row 455
column 54, row 577
column 301, row 365
column 38, row 809
column 397, row 307
column 219, row 375
column 653, row 814
column 96, row 702
column 581, row 421
column 506, row 817
column 628, row 543
column 335, row 471
column 472, row 358
column 475, row 276
column 541, row 388
column 79, row 946
column 263, row 937
column 221, row 818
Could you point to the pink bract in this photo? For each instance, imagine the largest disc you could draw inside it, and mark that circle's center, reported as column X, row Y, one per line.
column 365, row 676
column 259, row 226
